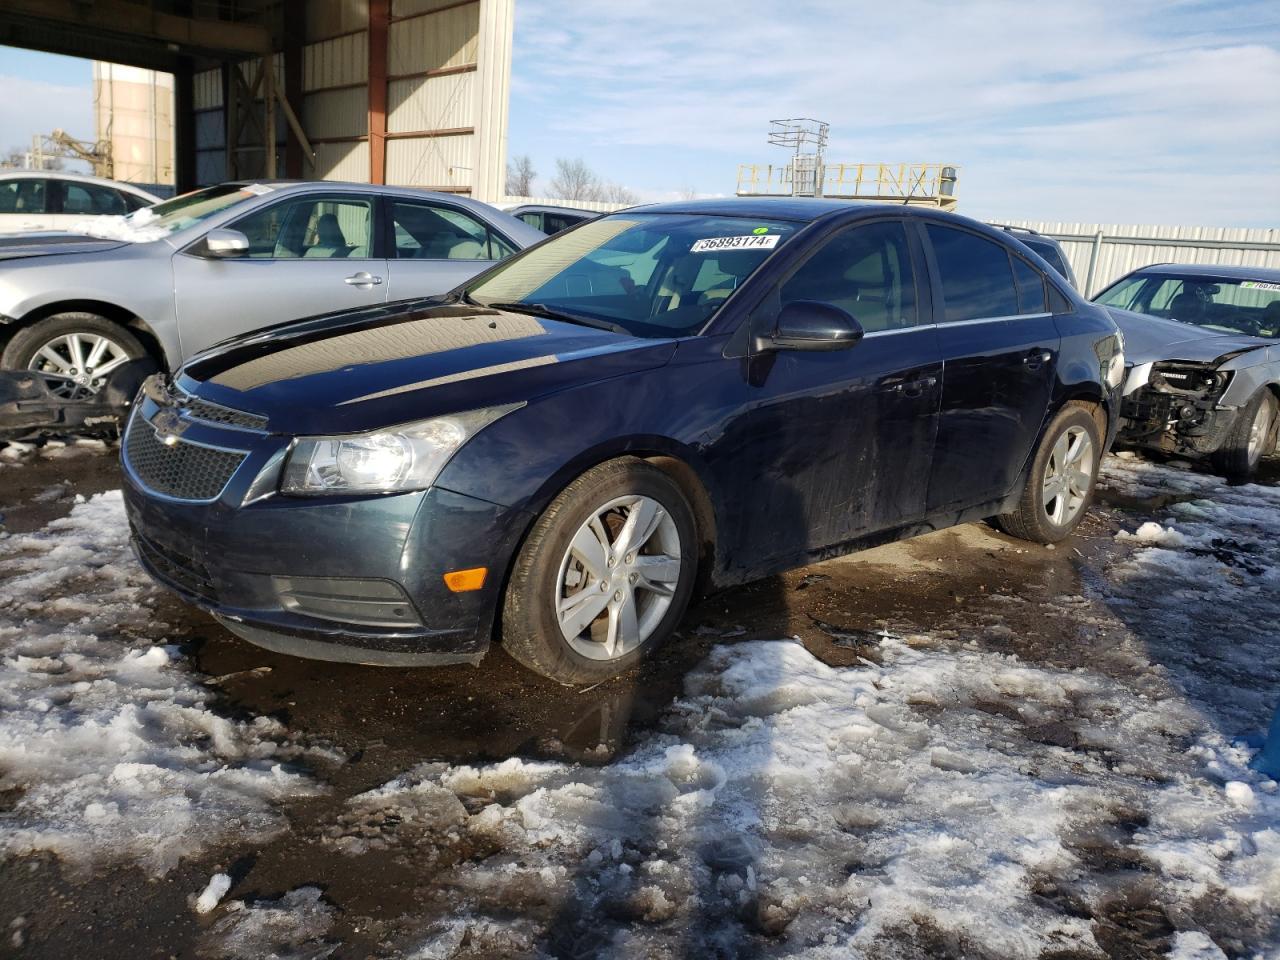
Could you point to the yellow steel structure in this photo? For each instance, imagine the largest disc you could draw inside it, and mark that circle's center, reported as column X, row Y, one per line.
column 925, row 183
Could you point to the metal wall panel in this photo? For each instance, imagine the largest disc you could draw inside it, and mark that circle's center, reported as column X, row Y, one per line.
column 409, row 8
column 1116, row 249
column 336, row 113
column 328, row 18
column 446, row 39
column 433, row 103
column 211, row 130
column 342, row 161
column 211, row 167
column 337, row 62
column 431, row 161
column 207, row 89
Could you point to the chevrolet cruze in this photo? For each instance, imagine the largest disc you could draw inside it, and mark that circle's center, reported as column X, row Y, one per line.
column 557, row 454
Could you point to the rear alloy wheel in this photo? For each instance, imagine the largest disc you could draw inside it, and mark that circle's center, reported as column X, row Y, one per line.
column 1251, row 437
column 73, row 353
column 1060, row 482
column 604, row 576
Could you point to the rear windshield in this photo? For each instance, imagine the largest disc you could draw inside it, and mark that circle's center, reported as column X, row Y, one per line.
column 656, row 275
column 1225, row 306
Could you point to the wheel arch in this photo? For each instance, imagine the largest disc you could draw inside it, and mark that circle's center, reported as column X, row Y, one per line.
column 677, row 460
column 110, row 311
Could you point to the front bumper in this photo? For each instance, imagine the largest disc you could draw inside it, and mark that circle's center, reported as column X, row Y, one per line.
column 1176, row 423
column 249, row 562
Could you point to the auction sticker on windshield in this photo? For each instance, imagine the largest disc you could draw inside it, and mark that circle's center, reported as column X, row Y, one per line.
column 735, row 243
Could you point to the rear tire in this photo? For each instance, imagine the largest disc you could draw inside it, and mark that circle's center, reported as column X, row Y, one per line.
column 77, row 352
column 1061, row 480
column 1251, row 437
column 604, row 576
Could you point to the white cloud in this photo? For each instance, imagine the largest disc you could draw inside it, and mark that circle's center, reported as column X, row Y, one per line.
column 1143, row 111
column 29, row 107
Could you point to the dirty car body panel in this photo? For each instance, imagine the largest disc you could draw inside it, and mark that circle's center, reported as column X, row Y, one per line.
column 796, row 455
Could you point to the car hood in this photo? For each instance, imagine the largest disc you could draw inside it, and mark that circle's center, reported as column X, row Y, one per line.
column 15, row 246
column 369, row 369
column 1148, row 339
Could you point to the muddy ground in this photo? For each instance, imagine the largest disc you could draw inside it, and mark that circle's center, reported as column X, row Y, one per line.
column 381, row 722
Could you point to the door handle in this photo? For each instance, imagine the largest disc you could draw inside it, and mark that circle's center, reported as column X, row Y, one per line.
column 912, row 388
column 1037, row 359
column 363, row 279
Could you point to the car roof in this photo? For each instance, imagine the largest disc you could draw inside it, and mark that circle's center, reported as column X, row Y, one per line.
column 551, row 208
column 77, row 178
column 1212, row 271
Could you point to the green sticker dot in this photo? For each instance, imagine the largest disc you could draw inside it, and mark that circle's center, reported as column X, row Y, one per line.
column 760, row 230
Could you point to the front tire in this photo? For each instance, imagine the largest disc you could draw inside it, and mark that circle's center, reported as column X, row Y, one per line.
column 1251, row 437
column 75, row 353
column 1061, row 480
column 604, row 576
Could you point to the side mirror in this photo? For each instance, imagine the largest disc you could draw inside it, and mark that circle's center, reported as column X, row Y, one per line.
column 812, row 325
column 226, row 243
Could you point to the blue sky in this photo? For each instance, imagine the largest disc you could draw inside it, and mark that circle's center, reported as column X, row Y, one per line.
column 1138, row 111
column 1087, row 111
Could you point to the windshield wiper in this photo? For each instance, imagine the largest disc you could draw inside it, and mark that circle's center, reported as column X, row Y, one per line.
column 550, row 313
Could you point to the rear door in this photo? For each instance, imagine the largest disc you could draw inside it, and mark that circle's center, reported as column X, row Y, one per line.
column 433, row 247
column 307, row 255
column 999, row 347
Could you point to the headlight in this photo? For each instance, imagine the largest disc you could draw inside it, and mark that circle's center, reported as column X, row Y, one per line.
column 408, row 457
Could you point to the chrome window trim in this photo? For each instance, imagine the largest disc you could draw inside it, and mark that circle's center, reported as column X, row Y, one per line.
column 956, row 323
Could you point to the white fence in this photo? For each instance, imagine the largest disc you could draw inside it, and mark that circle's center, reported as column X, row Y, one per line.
column 1102, row 252
column 549, row 202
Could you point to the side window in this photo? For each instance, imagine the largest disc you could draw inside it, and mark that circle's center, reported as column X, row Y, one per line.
column 133, row 201
column 24, row 195
column 1124, row 294
column 977, row 281
column 91, row 200
column 424, row 231
column 532, row 218
column 555, row 222
column 310, row 228
column 865, row 271
column 1030, row 284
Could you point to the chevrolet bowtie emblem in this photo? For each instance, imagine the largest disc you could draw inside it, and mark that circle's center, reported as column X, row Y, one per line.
column 169, row 426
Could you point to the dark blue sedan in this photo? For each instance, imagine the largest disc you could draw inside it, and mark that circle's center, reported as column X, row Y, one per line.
column 668, row 399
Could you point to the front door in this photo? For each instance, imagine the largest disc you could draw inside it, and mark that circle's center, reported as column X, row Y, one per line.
column 999, row 349
column 307, row 255
column 832, row 446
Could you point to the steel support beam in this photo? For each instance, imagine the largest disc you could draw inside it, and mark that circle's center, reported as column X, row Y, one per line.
column 108, row 19
column 379, row 16
column 296, row 151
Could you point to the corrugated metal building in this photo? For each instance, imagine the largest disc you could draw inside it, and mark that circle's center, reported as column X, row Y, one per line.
column 410, row 92
column 1102, row 252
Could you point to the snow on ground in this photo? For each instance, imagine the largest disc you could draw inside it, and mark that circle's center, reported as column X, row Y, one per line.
column 953, row 798
column 109, row 751
column 290, row 928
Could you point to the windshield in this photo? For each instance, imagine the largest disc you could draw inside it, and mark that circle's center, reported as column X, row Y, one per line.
column 1225, row 306
column 163, row 219
column 653, row 275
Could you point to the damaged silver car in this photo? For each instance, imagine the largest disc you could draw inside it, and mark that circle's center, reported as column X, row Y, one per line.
column 1203, row 347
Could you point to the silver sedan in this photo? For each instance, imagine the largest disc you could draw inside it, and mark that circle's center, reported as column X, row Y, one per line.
column 173, row 279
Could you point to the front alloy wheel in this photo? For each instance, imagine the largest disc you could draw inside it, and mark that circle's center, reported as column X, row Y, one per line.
column 604, row 576
column 75, row 365
column 618, row 577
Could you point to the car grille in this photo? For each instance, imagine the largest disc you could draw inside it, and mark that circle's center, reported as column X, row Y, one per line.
column 181, row 570
column 198, row 409
column 184, row 471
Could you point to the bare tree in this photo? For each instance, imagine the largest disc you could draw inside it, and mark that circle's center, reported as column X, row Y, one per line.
column 520, row 176
column 616, row 193
column 688, row 193
column 574, row 180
